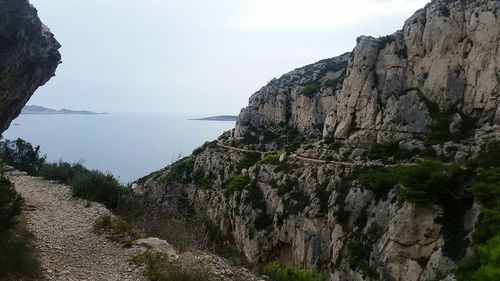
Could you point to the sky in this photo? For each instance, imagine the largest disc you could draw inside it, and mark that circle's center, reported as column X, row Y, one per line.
column 197, row 57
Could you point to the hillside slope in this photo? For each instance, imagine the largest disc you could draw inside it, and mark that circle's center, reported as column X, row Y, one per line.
column 324, row 168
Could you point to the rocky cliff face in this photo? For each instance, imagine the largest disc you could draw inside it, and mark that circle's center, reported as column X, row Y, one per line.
column 446, row 57
column 429, row 90
column 28, row 57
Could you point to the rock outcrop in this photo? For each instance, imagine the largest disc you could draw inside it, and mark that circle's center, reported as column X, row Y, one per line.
column 28, row 57
column 446, row 58
column 430, row 89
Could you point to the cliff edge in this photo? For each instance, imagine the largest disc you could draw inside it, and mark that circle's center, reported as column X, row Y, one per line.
column 29, row 57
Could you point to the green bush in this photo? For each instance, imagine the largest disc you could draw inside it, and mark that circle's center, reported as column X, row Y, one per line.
column 10, row 204
column 309, row 89
column 62, row 172
column 248, row 160
column 21, row 155
column 491, row 157
column 378, row 180
column 386, row 150
column 358, row 255
column 483, row 265
column 200, row 180
column 236, row 182
column 96, row 186
column 202, row 148
column 88, row 184
column 18, row 258
column 271, row 158
column 116, row 228
column 335, row 83
column 160, row 268
column 180, row 170
column 421, row 183
column 386, row 40
column 263, row 221
column 277, row 271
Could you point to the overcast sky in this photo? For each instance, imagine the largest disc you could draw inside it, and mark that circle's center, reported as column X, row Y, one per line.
column 200, row 57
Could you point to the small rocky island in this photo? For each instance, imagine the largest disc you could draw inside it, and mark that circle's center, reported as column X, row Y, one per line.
column 36, row 109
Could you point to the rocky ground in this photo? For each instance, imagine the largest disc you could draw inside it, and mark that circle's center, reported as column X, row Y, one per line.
column 62, row 225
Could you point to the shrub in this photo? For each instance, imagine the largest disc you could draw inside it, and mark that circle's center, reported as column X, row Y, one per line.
column 386, row 150
column 96, row 186
column 62, row 172
column 21, row 155
column 18, row 259
column 421, row 183
column 374, row 231
column 386, row 40
column 249, row 160
column 277, row 271
column 262, row 221
column 271, row 158
column 159, row 268
column 180, row 170
column 483, row 264
column 202, row 148
column 378, row 180
column 491, row 157
column 10, row 204
column 335, row 83
column 224, row 136
column 236, row 182
column 309, row 89
column 357, row 258
column 88, row 184
column 200, row 180
column 116, row 228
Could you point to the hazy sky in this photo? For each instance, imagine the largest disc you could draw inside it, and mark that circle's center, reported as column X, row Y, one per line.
column 197, row 56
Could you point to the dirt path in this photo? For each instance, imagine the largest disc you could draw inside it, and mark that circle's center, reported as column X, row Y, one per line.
column 308, row 159
column 62, row 225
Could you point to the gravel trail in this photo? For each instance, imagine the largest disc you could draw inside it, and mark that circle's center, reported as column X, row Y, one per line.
column 67, row 245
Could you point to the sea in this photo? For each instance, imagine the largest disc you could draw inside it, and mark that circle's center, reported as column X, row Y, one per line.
column 127, row 145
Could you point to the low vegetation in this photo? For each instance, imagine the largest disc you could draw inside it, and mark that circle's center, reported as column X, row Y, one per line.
column 92, row 185
column 180, row 170
column 236, row 182
column 116, row 229
column 248, row 160
column 358, row 255
column 17, row 254
column 386, row 40
column 277, row 271
column 202, row 148
column 271, row 158
column 159, row 268
column 309, row 89
column 421, row 183
column 21, row 155
column 483, row 265
column 388, row 150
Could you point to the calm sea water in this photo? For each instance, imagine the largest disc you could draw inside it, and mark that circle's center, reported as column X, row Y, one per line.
column 127, row 145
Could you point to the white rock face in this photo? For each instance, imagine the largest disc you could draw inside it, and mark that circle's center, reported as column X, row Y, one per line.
column 445, row 58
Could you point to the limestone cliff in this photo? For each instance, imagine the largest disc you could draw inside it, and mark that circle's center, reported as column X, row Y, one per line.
column 28, row 57
column 429, row 90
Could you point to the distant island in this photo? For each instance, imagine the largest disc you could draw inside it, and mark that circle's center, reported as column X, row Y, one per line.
column 218, row 118
column 36, row 109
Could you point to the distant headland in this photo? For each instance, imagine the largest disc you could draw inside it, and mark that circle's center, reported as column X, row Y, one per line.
column 218, row 118
column 36, row 109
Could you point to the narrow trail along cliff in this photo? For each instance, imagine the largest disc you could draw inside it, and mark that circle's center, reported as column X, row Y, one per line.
column 62, row 225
